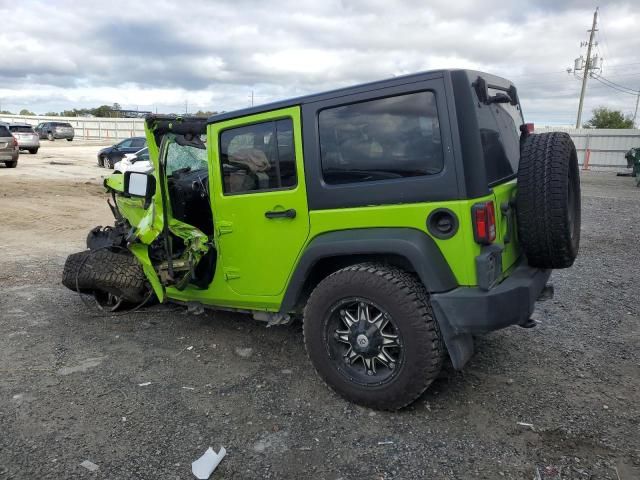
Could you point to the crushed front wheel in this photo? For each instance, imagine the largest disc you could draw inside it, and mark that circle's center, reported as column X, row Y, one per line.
column 116, row 277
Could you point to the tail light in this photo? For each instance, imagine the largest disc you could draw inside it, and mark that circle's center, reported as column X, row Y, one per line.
column 15, row 142
column 484, row 222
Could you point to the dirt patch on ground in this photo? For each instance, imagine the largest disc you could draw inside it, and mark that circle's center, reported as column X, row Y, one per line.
column 49, row 216
column 560, row 399
column 48, row 208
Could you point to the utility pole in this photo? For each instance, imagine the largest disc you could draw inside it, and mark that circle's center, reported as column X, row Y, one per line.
column 635, row 114
column 587, row 68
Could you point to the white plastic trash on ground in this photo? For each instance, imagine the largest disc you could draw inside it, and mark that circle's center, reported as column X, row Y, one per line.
column 92, row 467
column 203, row 467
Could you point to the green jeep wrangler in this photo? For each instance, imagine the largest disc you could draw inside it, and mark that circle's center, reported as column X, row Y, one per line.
column 398, row 219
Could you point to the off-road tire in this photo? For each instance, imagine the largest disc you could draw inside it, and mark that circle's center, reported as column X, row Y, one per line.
column 548, row 200
column 406, row 300
column 117, row 273
column 11, row 163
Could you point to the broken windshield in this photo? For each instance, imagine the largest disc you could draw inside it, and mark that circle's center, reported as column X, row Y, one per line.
column 180, row 157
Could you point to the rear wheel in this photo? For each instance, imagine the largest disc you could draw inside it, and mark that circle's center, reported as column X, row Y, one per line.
column 548, row 201
column 371, row 336
column 33, row 151
column 11, row 164
column 50, row 137
column 70, row 139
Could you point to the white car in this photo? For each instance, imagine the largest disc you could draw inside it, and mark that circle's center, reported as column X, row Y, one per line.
column 135, row 162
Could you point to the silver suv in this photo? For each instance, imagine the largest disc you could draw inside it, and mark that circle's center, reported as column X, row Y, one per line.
column 26, row 137
column 53, row 130
column 9, row 152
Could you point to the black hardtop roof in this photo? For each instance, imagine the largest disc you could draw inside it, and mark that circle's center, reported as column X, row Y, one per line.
column 389, row 82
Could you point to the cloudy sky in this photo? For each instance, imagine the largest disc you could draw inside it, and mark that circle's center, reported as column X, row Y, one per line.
column 157, row 55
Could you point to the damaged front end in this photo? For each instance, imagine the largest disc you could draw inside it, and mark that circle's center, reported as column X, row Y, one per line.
column 152, row 227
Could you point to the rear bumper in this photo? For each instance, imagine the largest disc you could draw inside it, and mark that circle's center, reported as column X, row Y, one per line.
column 467, row 311
column 6, row 155
column 29, row 143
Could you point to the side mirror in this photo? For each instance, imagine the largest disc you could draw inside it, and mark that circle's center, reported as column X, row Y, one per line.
column 140, row 185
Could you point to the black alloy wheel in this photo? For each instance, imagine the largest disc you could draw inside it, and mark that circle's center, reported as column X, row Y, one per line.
column 363, row 342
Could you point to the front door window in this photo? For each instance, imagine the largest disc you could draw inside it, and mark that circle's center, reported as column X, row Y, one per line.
column 258, row 157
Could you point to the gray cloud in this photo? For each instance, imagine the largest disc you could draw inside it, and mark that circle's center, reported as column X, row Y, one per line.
column 159, row 54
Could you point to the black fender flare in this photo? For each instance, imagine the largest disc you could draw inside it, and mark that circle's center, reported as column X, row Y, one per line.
column 418, row 248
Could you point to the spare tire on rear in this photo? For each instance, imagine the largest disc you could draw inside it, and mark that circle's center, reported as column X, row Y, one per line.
column 548, row 200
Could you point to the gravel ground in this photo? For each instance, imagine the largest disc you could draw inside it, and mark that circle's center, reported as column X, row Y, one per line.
column 143, row 395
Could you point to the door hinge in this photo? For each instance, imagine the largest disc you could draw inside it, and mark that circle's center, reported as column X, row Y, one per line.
column 231, row 273
column 224, row 227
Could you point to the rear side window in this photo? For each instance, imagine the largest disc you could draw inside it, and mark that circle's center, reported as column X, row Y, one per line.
column 4, row 131
column 21, row 129
column 258, row 157
column 138, row 143
column 382, row 139
column 500, row 135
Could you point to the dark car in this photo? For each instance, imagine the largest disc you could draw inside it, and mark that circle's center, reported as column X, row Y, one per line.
column 107, row 157
column 53, row 130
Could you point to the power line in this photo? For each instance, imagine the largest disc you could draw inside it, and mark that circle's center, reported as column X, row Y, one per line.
column 614, row 87
column 601, row 79
column 622, row 89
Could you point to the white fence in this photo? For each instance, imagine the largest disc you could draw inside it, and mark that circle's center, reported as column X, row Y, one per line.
column 89, row 128
column 607, row 146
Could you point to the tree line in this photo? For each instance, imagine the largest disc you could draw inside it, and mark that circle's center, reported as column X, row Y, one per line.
column 104, row 111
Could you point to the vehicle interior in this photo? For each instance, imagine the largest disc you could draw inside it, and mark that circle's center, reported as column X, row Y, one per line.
column 258, row 157
column 188, row 182
column 183, row 160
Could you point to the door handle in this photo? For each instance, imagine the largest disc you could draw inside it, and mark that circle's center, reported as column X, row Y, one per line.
column 291, row 213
